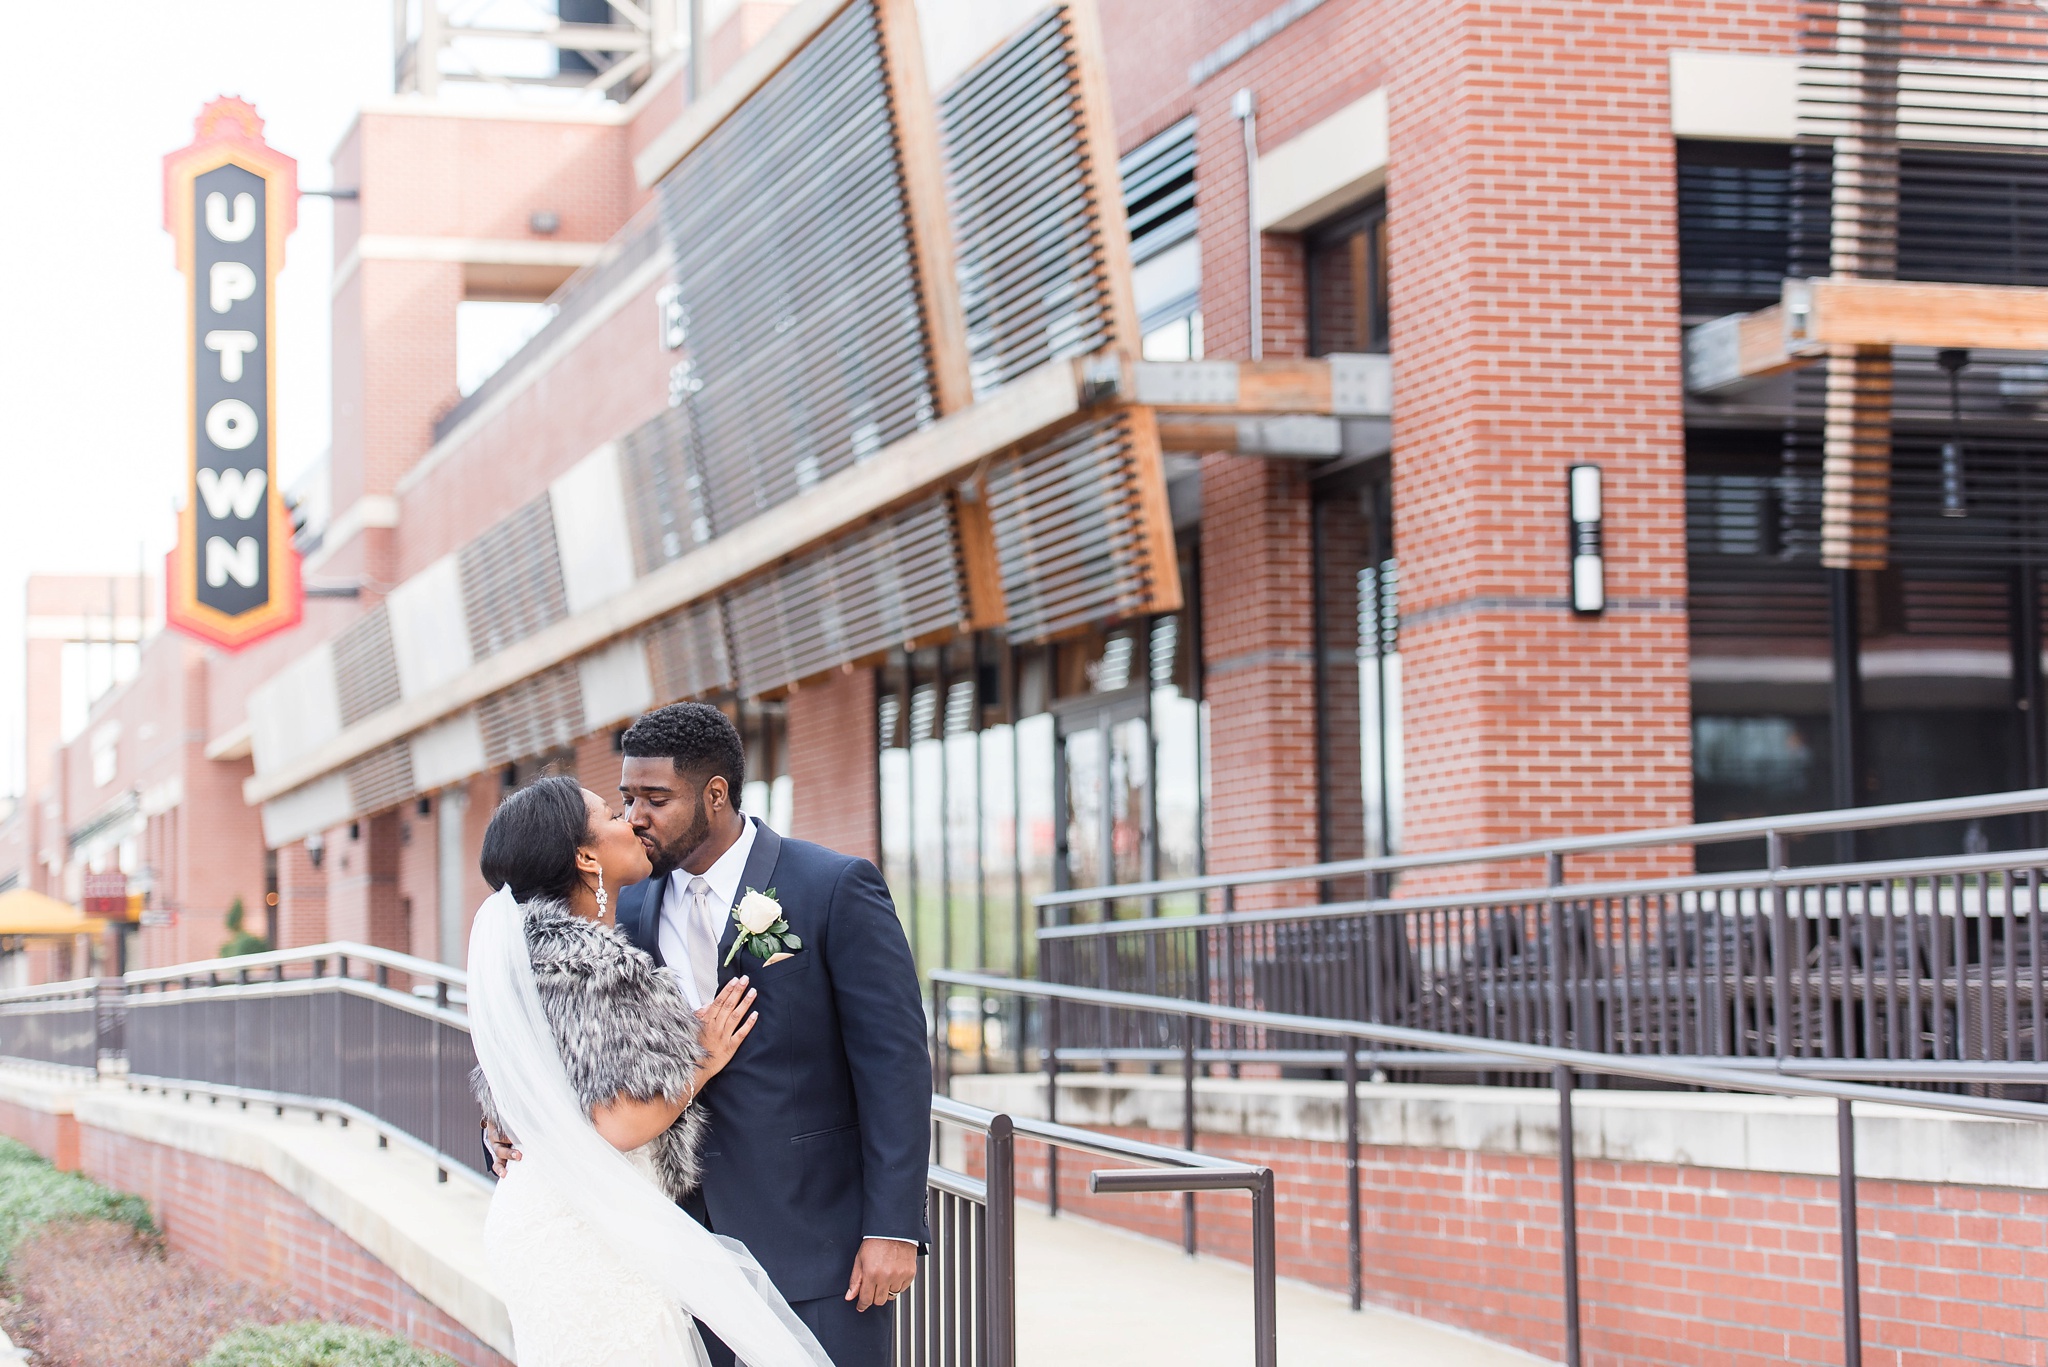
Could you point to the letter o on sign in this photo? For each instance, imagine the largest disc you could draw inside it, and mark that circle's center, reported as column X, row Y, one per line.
column 231, row 424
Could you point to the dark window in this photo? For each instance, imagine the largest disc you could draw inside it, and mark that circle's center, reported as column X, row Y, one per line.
column 1347, row 283
column 1734, row 225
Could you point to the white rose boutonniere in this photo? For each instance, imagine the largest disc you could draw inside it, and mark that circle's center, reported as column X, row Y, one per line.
column 763, row 931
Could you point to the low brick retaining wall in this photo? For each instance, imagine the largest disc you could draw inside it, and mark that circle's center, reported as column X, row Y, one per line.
column 1708, row 1226
column 238, row 1191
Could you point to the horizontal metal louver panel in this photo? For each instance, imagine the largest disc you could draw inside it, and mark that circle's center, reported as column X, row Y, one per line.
column 512, row 580
column 1159, row 190
column 1071, row 543
column 665, row 509
column 366, row 667
column 687, row 652
column 801, row 309
column 891, row 583
column 533, row 716
column 1026, row 225
column 380, row 779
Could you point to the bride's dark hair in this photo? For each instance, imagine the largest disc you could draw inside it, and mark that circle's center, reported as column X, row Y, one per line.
column 531, row 842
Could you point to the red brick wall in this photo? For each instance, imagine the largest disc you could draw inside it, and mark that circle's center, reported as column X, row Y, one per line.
column 301, row 898
column 1679, row 1267
column 363, row 899
column 53, row 1136
column 251, row 1229
column 832, row 764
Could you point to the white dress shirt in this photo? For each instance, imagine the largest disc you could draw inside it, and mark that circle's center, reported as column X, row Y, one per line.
column 723, row 879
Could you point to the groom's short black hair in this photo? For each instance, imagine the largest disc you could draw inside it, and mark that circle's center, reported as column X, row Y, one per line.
column 697, row 738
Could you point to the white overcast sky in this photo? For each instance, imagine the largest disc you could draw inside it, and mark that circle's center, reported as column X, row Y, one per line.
column 91, row 366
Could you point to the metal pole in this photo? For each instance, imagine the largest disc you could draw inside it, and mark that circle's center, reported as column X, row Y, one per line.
column 1265, row 1268
column 1001, row 1159
column 1568, row 1214
column 1852, row 1290
column 1354, row 1236
column 1187, row 1128
column 1052, row 1102
column 1246, row 107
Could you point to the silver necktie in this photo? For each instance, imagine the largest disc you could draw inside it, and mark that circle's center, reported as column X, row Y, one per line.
column 703, row 941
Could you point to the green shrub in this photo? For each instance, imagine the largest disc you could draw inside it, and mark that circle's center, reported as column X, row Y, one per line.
column 241, row 941
column 312, row 1344
column 33, row 1193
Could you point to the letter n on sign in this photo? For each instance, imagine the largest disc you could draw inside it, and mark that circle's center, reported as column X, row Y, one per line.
column 230, row 201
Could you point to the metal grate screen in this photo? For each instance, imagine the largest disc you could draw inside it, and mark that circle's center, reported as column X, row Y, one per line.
column 533, row 716
column 806, row 342
column 894, row 582
column 366, row 667
column 1070, row 536
column 380, row 779
column 512, row 580
column 687, row 652
column 1027, row 228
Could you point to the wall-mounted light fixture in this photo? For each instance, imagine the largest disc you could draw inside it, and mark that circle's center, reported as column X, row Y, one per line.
column 1589, row 568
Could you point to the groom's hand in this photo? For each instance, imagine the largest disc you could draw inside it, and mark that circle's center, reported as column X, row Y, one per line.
column 883, row 1271
column 502, row 1152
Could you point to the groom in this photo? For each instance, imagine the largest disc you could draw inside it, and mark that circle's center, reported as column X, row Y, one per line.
column 820, row 1125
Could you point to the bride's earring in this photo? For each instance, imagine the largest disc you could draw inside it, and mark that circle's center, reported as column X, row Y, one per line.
column 602, row 900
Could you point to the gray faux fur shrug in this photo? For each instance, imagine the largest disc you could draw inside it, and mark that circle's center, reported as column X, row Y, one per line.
column 623, row 1026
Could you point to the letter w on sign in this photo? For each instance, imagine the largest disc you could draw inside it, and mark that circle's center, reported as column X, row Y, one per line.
column 237, row 493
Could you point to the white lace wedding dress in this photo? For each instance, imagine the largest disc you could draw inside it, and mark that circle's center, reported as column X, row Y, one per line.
column 573, row 1301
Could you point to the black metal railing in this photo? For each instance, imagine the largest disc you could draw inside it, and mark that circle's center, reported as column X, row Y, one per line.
column 962, row 1310
column 380, row 1038
column 1911, row 959
column 1363, row 1045
column 366, row 1033
column 66, row 1025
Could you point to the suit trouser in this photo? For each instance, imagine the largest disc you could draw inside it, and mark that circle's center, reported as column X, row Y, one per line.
column 850, row 1337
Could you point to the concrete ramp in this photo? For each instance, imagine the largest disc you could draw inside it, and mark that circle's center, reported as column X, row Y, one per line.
column 1087, row 1293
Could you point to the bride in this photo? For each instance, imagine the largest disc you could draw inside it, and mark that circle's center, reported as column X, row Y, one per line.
column 589, row 1057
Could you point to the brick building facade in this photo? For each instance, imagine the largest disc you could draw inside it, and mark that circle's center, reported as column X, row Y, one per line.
column 1372, row 651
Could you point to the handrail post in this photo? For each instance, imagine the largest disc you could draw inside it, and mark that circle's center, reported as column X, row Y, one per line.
column 1781, row 949
column 1852, row 1275
column 1000, row 1160
column 1354, row 1236
column 1229, row 1032
column 1265, row 1268
column 1568, row 1212
column 1187, row 1128
column 1553, row 871
column 1052, row 1102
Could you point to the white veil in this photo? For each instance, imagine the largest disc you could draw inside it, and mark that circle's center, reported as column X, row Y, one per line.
column 714, row 1279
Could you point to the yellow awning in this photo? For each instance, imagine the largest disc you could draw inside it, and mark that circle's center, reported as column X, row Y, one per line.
column 25, row 911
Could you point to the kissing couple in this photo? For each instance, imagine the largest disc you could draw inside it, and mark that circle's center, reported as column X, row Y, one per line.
column 710, row 1114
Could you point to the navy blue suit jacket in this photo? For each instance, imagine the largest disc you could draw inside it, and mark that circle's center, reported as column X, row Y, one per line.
column 821, row 1124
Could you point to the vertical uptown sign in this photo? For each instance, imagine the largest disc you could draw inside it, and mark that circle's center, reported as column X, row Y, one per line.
column 230, row 201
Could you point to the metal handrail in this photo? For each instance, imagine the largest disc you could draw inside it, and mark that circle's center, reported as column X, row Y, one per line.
column 1163, row 1169
column 1648, row 1067
column 1733, row 880
column 340, row 951
column 70, row 987
column 1563, row 1064
column 1702, row 833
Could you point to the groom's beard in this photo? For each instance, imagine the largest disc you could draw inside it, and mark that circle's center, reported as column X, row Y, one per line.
column 666, row 859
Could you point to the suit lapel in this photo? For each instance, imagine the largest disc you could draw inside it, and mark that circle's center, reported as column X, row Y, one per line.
column 645, row 927
column 759, row 874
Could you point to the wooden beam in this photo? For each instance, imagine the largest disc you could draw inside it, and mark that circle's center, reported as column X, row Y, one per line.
column 929, row 220
column 1359, row 386
column 1916, row 313
column 1814, row 316
column 1099, row 146
column 1155, row 512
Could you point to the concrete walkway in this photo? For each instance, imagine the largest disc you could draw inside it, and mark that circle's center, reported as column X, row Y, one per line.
column 1087, row 1293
